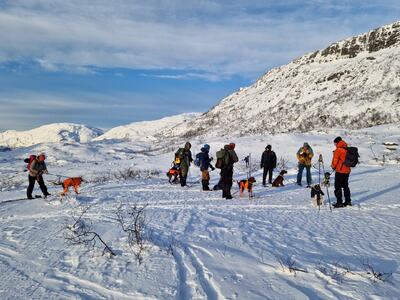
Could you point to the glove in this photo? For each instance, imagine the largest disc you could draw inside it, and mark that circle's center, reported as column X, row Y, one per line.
column 211, row 158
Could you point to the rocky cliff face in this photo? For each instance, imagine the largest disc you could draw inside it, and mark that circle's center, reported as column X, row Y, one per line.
column 353, row 83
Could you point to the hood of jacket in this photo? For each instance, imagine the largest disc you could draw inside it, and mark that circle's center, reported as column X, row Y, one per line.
column 341, row 144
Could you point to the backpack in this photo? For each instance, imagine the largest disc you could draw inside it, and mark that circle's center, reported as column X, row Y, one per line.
column 198, row 159
column 179, row 156
column 352, row 156
column 29, row 161
column 222, row 158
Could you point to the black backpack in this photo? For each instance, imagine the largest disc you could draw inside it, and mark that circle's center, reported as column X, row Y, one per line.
column 352, row 156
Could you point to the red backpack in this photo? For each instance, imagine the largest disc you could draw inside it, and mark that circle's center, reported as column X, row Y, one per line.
column 29, row 161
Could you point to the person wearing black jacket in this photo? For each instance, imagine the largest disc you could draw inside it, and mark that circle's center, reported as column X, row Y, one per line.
column 268, row 162
column 227, row 170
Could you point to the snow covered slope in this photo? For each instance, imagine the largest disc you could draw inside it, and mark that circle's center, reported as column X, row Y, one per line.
column 149, row 130
column 354, row 83
column 58, row 132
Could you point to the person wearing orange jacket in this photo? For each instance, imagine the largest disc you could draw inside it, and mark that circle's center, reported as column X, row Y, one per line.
column 342, row 173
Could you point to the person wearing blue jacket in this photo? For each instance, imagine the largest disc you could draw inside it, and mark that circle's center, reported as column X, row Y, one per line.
column 205, row 164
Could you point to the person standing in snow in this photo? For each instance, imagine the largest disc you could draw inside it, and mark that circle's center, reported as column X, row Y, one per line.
column 185, row 157
column 230, row 157
column 205, row 163
column 36, row 170
column 304, row 156
column 247, row 160
column 342, row 173
column 268, row 162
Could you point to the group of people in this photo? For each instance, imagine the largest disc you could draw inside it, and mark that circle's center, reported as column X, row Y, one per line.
column 227, row 157
column 342, row 171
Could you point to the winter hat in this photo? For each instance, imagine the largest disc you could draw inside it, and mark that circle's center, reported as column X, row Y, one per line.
column 42, row 155
column 268, row 147
column 337, row 140
column 232, row 146
column 206, row 147
column 306, row 145
column 188, row 145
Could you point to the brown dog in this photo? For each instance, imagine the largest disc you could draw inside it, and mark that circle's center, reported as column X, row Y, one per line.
column 279, row 180
column 75, row 182
column 246, row 184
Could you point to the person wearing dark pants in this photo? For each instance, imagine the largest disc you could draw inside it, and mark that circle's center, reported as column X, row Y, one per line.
column 32, row 181
column 342, row 174
column 36, row 169
column 227, row 179
column 342, row 182
column 227, row 170
column 268, row 162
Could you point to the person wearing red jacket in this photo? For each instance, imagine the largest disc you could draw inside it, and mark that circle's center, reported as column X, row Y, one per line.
column 342, row 173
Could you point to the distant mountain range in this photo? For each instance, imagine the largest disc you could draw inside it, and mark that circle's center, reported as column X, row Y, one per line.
column 352, row 84
column 51, row 133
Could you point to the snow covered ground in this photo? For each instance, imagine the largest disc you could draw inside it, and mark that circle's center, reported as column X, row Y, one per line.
column 201, row 246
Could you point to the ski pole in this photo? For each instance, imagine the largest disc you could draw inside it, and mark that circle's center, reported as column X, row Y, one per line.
column 327, row 190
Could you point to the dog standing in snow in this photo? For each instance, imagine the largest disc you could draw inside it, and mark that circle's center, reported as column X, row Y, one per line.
column 74, row 182
column 246, row 184
column 317, row 195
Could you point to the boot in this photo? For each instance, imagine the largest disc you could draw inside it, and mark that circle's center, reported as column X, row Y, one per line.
column 205, row 185
column 183, row 181
column 347, row 203
column 338, row 205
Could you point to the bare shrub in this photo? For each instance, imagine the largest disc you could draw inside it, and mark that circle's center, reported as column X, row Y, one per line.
column 336, row 272
column 132, row 219
column 288, row 264
column 373, row 273
column 81, row 233
column 282, row 163
column 125, row 174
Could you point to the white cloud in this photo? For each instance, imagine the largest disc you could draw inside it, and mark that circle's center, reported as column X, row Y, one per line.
column 221, row 38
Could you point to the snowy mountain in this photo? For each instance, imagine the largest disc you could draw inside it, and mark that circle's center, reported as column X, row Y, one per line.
column 150, row 130
column 58, row 132
column 354, row 83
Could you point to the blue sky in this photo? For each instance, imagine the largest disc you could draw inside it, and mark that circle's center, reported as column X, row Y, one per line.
column 102, row 64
